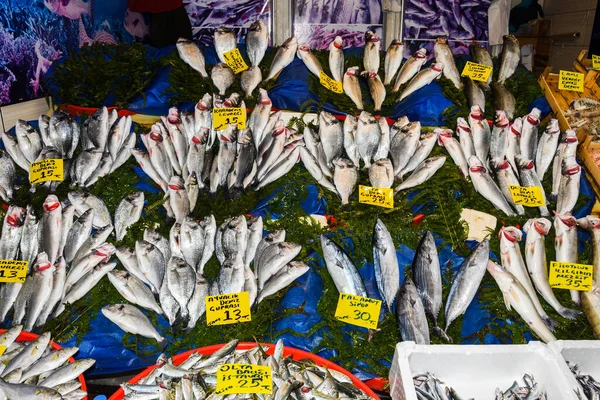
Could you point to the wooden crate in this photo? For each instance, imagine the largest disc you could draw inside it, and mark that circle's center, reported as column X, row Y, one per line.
column 584, row 153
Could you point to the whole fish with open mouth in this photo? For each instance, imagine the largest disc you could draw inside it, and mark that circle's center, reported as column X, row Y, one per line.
column 225, row 41
column 284, row 56
column 424, row 147
column 393, row 59
column 345, row 177
column 250, row 79
column 332, row 137
column 565, row 244
column 128, row 212
column 463, row 131
column 342, row 270
column 336, row 58
column 404, row 144
column 485, row 186
column 592, row 224
column 481, row 133
column 529, row 178
column 352, row 87
column 513, row 143
column 444, row 55
column 422, row 173
column 132, row 320
column 507, row 177
column 481, row 56
column 499, row 135
column 446, row 140
column 504, row 99
column 371, row 52
column 381, row 173
column 535, row 255
column 309, row 59
column 567, row 148
column 547, row 146
column 423, row 78
column 412, row 319
column 512, row 261
column 474, row 94
column 467, row 281
column 376, row 89
column 191, row 54
column 257, row 42
column 510, row 58
column 529, row 134
column 410, row 68
column 387, row 273
column 515, row 296
column 367, row 138
column 222, row 77
column 568, row 191
column 29, row 140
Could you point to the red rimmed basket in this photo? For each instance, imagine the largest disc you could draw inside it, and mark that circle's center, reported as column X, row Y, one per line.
column 288, row 351
column 30, row 337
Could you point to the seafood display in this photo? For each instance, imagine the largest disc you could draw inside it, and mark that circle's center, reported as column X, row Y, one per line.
column 590, row 386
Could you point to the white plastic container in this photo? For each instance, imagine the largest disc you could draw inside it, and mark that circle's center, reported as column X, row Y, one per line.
column 475, row 371
column 584, row 353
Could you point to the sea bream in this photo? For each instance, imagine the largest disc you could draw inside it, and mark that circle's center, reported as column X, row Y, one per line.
column 332, row 137
column 132, row 320
column 410, row 68
column 393, row 59
column 284, row 56
column 485, row 186
column 128, row 212
column 446, row 140
column 565, row 244
column 225, row 40
column 257, row 42
column 352, row 87
column 336, row 58
column 511, row 56
column 444, row 55
column 7, row 176
column 349, row 128
column 403, row 145
column 191, row 54
column 367, row 138
column 381, row 173
column 222, row 77
column 371, row 52
column 345, row 177
column 423, row 78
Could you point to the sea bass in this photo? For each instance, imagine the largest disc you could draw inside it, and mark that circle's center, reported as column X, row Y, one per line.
column 485, row 186
column 547, row 146
column 565, row 244
column 423, row 78
column 410, row 68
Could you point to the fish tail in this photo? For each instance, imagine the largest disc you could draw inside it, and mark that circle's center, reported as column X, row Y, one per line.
column 163, row 342
column 550, row 323
column 442, row 333
column 569, row 313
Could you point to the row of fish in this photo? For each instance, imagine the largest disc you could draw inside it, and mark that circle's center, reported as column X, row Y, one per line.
column 195, row 378
column 589, row 385
column 35, row 371
column 172, row 270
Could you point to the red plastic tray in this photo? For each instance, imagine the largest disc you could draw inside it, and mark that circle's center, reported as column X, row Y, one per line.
column 288, row 351
column 78, row 111
column 30, row 337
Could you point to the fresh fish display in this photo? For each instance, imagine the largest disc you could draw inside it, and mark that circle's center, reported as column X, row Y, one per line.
column 481, row 56
column 568, row 190
column 387, row 273
column 506, row 176
column 529, row 134
column 565, row 244
column 547, row 147
column 454, row 148
column 444, row 56
column 411, row 314
column 485, row 186
column 128, row 212
column 371, row 52
column 191, row 54
column 590, row 386
column 342, row 270
column 423, row 78
column 257, row 42
column 504, row 99
column 336, row 58
column 410, row 68
column 393, row 60
column 424, row 147
column 352, row 87
column 225, row 40
column 529, row 178
column 511, row 56
column 422, row 173
column 498, row 136
column 345, row 177
column 312, row 63
column 567, row 148
column 474, row 94
column 222, row 77
column 284, row 56
column 250, row 80
column 481, row 133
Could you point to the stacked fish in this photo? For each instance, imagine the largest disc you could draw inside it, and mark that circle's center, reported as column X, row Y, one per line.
column 196, row 377
column 68, row 256
column 584, row 112
column 516, row 155
column 33, row 370
column 418, row 300
column 387, row 153
column 104, row 141
column 172, row 270
column 590, row 386
column 183, row 159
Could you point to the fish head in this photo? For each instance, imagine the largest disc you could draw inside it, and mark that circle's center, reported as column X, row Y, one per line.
column 503, row 278
column 441, row 40
column 475, row 165
column 368, row 34
column 176, row 183
column 396, row 43
column 373, row 75
column 173, row 116
column 570, row 136
column 275, row 236
column 443, row 135
column 412, row 128
column 326, row 118
column 201, row 136
column 501, row 119
column 30, row 216
column 510, row 233
column 462, row 126
column 589, row 222
column 113, row 309
column 100, row 116
column 541, row 225
column 23, row 128
column 60, row 263
column 105, row 250
column 500, row 164
column 232, row 100
column 534, row 117
column 223, row 31
column 373, row 39
column 257, row 26
column 263, row 97
column 155, row 134
column 510, row 38
column 290, row 43
column 279, row 128
column 553, row 127
column 421, row 53
column 338, row 42
column 176, row 262
column 303, row 49
column 51, row 203
column 366, row 118
column 516, row 126
column 352, row 71
column 15, row 216
column 383, row 162
column 53, row 5
column 437, row 67
column 343, row 163
column 135, row 198
column 567, row 220
column 476, row 113
column 570, row 167
column 120, row 275
column 42, row 260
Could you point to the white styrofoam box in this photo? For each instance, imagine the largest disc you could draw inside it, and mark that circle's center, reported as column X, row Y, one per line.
column 475, row 371
column 584, row 353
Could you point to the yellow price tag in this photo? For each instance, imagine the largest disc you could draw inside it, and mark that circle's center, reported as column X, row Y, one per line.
column 226, row 309
column 13, row 271
column 357, row 310
column 234, row 60
column 569, row 80
column 244, row 378
column 50, row 169
column 564, row 275
column 595, row 62
column 477, row 72
column 528, row 196
column 381, row 197
column 330, row 83
column 222, row 117
column 2, row 350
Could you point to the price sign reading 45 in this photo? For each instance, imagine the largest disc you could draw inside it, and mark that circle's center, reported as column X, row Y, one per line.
column 227, row 309
column 50, row 169
column 571, row 276
column 233, row 58
column 528, row 196
column 223, row 117
column 243, row 379
column 357, row 310
column 381, row 197
column 477, row 72
column 13, row 270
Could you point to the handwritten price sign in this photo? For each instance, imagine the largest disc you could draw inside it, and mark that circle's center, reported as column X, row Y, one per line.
column 13, row 271
column 569, row 80
column 330, row 83
column 223, row 117
column 227, row 309
column 477, row 72
column 381, row 197
column 50, row 169
column 595, row 62
column 243, row 379
column 528, row 196
column 571, row 276
column 234, row 60
column 357, row 310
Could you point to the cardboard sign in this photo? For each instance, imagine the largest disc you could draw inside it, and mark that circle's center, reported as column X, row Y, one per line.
column 234, row 60
column 595, row 62
column 13, row 271
column 244, row 378
column 381, row 197
column 330, row 83
column 564, row 275
column 223, row 117
column 357, row 310
column 477, row 72
column 50, row 169
column 528, row 196
column 227, row 309
column 572, row 81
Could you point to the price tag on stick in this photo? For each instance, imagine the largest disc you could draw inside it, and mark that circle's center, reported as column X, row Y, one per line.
column 571, row 276
column 235, row 61
column 596, row 62
column 571, row 81
column 477, row 72
column 381, row 197
column 357, row 310
column 50, row 169
column 227, row 309
column 13, row 271
column 331, row 84
column 244, row 379
column 223, row 117
column 528, row 196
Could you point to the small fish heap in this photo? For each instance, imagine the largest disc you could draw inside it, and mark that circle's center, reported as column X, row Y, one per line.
column 182, row 157
column 387, row 153
column 34, row 371
column 172, row 270
column 590, row 386
column 196, row 377
column 95, row 149
column 515, row 155
column 584, row 112
column 415, row 300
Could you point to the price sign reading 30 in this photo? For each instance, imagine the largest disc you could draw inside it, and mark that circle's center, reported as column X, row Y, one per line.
column 357, row 310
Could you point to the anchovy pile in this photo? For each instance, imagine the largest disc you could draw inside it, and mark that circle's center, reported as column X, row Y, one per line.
column 531, row 391
column 172, row 270
column 516, row 155
column 388, row 153
column 66, row 257
column 104, row 139
column 590, row 386
column 584, row 112
column 34, row 371
column 196, row 377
